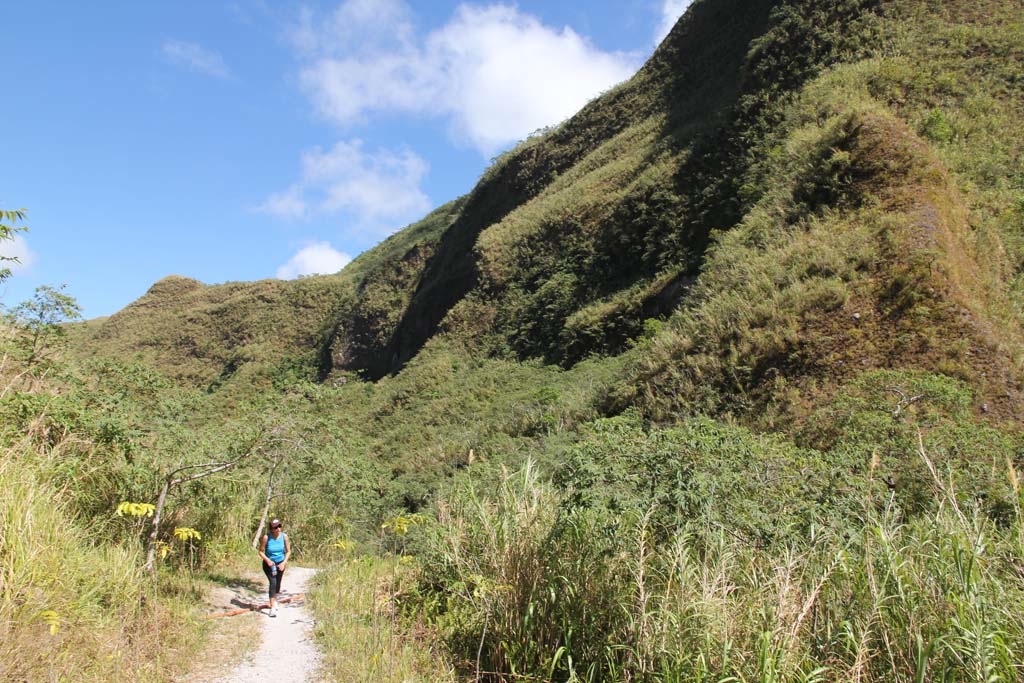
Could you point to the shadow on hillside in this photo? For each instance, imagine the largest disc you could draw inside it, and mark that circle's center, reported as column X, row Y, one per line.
column 694, row 80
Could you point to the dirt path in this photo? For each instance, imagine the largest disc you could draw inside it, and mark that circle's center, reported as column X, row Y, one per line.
column 287, row 653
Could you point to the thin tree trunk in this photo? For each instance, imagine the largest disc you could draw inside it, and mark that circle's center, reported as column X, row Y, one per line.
column 170, row 482
column 266, row 503
column 151, row 546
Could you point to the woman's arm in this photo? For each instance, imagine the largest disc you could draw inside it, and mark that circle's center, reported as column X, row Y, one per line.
column 263, row 551
column 287, row 550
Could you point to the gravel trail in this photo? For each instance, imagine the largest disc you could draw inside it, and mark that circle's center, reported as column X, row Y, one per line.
column 287, row 653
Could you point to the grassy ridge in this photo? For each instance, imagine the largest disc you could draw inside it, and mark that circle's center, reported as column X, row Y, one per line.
column 206, row 335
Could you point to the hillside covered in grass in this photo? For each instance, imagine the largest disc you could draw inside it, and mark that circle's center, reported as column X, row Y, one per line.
column 791, row 194
column 746, row 331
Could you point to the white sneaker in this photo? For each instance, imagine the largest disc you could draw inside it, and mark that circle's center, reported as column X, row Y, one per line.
column 273, row 611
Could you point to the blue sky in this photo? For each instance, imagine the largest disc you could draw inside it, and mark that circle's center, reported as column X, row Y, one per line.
column 249, row 139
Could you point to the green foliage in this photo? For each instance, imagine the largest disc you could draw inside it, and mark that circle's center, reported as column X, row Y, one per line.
column 512, row 578
column 882, row 420
column 74, row 604
column 936, row 127
column 40, row 322
column 522, row 590
column 359, row 627
column 704, row 476
column 7, row 232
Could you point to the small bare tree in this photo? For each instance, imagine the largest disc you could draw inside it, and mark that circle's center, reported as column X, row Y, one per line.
column 293, row 445
column 190, row 473
column 266, row 501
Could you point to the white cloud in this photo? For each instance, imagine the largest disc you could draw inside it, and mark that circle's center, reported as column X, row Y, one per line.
column 195, row 58
column 671, row 10
column 318, row 258
column 495, row 73
column 288, row 204
column 17, row 247
column 380, row 191
column 354, row 26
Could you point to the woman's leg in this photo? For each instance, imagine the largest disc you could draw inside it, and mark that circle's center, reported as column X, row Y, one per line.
column 272, row 583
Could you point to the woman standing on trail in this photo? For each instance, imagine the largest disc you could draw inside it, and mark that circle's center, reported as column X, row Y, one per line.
column 275, row 549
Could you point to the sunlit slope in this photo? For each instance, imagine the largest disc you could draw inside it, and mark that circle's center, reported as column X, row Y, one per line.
column 269, row 330
column 205, row 334
column 787, row 195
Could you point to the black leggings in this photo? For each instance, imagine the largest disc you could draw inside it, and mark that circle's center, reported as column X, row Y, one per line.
column 275, row 581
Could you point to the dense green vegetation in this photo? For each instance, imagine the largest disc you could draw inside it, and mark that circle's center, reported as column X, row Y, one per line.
column 74, row 603
column 720, row 379
column 527, row 583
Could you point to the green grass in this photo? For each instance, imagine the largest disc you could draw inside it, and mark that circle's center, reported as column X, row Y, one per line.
column 74, row 601
column 75, row 606
column 358, row 625
column 526, row 589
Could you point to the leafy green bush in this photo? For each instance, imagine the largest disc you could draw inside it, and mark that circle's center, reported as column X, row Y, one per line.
column 520, row 589
column 936, row 127
column 702, row 476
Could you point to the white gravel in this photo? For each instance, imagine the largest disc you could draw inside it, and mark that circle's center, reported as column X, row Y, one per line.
column 287, row 653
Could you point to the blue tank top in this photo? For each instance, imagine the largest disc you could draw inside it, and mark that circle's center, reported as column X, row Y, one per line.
column 275, row 548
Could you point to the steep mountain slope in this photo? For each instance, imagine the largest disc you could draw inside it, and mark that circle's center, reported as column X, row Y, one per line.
column 843, row 240
column 205, row 335
column 789, row 194
column 548, row 208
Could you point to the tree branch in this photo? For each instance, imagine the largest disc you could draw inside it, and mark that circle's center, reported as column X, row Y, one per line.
column 170, row 482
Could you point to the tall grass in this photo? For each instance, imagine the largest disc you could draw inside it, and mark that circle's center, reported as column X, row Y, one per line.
column 356, row 604
column 72, row 606
column 74, row 603
column 525, row 590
